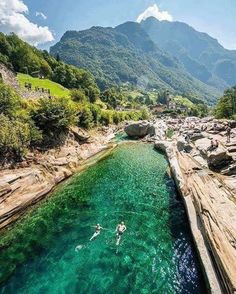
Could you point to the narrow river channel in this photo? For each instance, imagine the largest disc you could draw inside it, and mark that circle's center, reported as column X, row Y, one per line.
column 156, row 253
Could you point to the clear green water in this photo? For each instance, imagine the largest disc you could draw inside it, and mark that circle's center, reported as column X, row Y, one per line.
column 156, row 254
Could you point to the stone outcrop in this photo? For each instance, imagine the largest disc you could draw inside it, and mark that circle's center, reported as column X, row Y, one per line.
column 206, row 179
column 33, row 179
column 210, row 205
column 9, row 77
column 138, row 129
column 183, row 145
column 80, row 134
column 217, row 158
column 152, row 130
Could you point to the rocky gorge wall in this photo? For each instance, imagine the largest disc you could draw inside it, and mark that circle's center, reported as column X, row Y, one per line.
column 206, row 179
column 197, row 232
column 30, row 181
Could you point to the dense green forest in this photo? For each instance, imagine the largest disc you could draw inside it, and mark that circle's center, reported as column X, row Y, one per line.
column 45, row 122
column 226, row 105
column 30, row 123
column 126, row 54
column 21, row 57
column 27, row 123
column 202, row 56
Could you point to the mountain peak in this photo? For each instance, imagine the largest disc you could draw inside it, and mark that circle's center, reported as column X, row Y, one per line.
column 127, row 53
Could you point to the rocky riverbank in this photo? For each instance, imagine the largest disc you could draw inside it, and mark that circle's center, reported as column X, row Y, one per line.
column 206, row 178
column 31, row 180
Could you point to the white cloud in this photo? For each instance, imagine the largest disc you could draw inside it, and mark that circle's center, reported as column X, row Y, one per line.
column 40, row 14
column 13, row 19
column 155, row 12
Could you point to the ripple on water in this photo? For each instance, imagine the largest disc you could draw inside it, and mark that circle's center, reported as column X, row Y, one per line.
column 51, row 249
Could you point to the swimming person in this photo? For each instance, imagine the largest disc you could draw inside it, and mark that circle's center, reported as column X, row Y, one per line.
column 98, row 229
column 120, row 229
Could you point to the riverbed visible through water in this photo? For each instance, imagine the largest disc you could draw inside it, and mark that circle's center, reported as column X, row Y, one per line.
column 156, row 253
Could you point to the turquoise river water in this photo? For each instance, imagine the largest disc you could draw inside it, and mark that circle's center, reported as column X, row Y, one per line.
column 156, row 253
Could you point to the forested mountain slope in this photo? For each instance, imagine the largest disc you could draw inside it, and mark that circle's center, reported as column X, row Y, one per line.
column 21, row 57
column 202, row 56
column 127, row 54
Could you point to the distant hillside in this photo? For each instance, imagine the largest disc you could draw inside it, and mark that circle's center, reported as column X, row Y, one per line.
column 19, row 56
column 39, row 87
column 127, row 54
column 202, row 56
column 56, row 90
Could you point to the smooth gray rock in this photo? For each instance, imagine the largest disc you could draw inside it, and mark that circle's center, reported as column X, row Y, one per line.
column 138, row 129
column 218, row 158
column 196, row 136
column 152, row 131
column 183, row 145
column 79, row 134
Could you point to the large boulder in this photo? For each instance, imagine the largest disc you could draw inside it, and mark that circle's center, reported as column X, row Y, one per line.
column 183, row 145
column 80, row 135
column 202, row 145
column 218, row 158
column 138, row 129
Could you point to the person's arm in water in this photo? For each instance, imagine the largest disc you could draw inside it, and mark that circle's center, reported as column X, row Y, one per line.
column 96, row 227
column 124, row 229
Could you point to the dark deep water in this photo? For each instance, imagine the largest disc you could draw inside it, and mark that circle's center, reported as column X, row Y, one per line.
column 156, row 254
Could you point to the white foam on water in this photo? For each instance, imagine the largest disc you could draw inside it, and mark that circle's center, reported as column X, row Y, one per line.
column 79, row 247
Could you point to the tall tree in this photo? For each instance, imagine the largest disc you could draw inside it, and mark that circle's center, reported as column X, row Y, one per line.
column 226, row 106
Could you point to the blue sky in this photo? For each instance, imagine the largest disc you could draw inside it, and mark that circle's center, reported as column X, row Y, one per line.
column 49, row 19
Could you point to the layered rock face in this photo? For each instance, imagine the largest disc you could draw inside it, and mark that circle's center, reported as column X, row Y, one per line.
column 206, row 178
column 215, row 220
column 31, row 180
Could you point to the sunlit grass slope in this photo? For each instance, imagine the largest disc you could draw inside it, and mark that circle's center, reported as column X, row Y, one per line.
column 56, row 89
